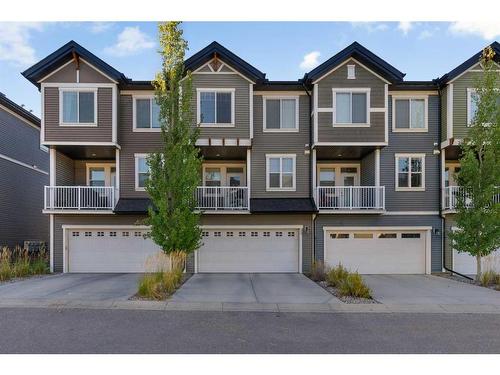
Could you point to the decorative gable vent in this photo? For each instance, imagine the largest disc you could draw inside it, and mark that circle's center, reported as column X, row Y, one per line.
column 351, row 71
column 215, row 64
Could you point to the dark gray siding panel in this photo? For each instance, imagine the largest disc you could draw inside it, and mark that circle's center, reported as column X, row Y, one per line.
column 21, row 205
column 68, row 75
column 101, row 133
column 373, row 220
column 368, row 170
column 65, row 170
column 427, row 200
column 280, row 143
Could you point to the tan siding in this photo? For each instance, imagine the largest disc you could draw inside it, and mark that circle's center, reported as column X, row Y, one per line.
column 68, row 75
column 65, row 170
column 101, row 133
column 90, row 75
column 280, row 143
column 65, row 75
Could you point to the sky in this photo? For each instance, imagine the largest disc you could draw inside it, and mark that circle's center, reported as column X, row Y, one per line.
column 282, row 50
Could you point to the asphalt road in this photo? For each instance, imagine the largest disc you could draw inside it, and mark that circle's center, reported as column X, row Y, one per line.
column 132, row 331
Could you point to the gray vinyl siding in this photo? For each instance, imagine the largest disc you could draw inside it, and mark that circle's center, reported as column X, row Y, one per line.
column 241, row 104
column 266, row 219
column 21, row 188
column 68, row 75
column 323, row 220
column 444, row 114
column 65, row 170
column 280, row 143
column 100, row 133
column 364, row 79
column 408, row 143
column 60, row 220
column 132, row 143
column 367, row 173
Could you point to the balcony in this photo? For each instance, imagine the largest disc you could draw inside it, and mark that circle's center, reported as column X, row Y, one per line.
column 351, row 198
column 451, row 195
column 79, row 198
column 222, row 198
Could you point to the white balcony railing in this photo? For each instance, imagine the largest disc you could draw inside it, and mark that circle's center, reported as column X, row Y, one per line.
column 222, row 198
column 350, row 197
column 79, row 198
column 451, row 195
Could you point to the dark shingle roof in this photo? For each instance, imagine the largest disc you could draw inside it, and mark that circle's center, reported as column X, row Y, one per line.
column 282, row 205
column 132, row 206
column 17, row 109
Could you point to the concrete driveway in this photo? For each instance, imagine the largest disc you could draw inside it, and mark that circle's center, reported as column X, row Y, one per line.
column 428, row 289
column 76, row 286
column 252, row 288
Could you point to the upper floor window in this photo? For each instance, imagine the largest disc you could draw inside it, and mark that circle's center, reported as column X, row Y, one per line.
column 141, row 171
column 78, row 107
column 351, row 107
column 146, row 114
column 215, row 107
column 280, row 172
column 409, row 114
column 281, row 114
column 410, row 172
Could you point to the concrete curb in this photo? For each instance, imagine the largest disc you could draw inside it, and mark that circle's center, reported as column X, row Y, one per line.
column 254, row 307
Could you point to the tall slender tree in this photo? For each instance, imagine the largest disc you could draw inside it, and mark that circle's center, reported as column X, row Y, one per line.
column 478, row 216
column 174, row 170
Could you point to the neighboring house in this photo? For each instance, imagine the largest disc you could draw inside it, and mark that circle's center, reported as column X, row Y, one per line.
column 24, row 166
column 458, row 110
column 342, row 165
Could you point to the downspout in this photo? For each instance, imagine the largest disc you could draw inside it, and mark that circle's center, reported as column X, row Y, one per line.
column 443, row 219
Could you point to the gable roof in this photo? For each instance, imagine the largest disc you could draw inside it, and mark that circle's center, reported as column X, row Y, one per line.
column 466, row 65
column 206, row 54
column 18, row 110
column 364, row 56
column 65, row 54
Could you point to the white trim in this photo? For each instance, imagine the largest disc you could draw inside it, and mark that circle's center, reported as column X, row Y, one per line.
column 414, row 92
column 410, row 97
column 377, row 167
column 280, row 129
column 396, row 169
column 77, row 75
column 107, row 171
column 114, row 115
column 52, row 166
column 51, row 242
column 134, row 114
column 442, row 179
column 344, row 63
column 281, row 93
column 79, row 85
column 351, row 91
column 222, row 165
column 76, row 143
column 314, row 172
column 351, row 71
column 136, row 170
column 42, row 114
column 55, row 71
column 470, row 91
column 250, row 226
column 78, row 212
column 198, row 107
column 337, row 167
column 350, row 144
column 137, row 92
column 315, row 112
column 386, row 117
column 411, row 213
column 234, row 71
column 449, row 111
column 15, row 161
column 61, row 109
column 251, row 93
column 281, row 157
column 249, row 175
column 378, row 110
column 117, row 174
column 27, row 122
column 327, row 110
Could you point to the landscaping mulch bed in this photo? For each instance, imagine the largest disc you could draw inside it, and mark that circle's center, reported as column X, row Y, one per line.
column 345, row 299
column 136, row 297
column 467, row 281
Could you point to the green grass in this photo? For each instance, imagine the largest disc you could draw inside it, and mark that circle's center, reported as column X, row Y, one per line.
column 18, row 263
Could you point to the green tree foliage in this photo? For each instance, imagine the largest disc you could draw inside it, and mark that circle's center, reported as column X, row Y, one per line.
column 478, row 217
column 174, row 170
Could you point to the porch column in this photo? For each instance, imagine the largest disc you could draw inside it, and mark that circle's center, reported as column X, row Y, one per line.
column 249, row 175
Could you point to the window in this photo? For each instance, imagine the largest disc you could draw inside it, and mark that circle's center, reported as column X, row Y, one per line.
column 97, row 177
column 141, row 171
column 280, row 172
column 327, row 177
column 216, row 107
column 339, row 236
column 212, row 177
column 387, row 235
column 281, row 114
column 146, row 114
column 350, row 107
column 351, row 71
column 363, row 236
column 78, row 107
column 410, row 235
column 410, row 172
column 410, row 114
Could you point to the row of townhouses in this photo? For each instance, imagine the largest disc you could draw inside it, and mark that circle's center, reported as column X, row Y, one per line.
column 350, row 164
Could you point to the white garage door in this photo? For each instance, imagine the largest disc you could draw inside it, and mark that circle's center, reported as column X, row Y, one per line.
column 377, row 252
column 466, row 264
column 110, row 250
column 249, row 250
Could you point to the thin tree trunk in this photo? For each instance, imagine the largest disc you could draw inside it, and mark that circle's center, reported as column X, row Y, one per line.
column 478, row 267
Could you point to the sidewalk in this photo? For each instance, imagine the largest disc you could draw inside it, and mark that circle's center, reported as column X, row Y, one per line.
column 254, row 307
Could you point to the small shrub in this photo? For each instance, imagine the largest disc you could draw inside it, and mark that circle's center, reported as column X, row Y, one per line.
column 488, row 278
column 39, row 264
column 159, row 285
column 336, row 276
column 354, row 286
column 318, row 272
column 21, row 263
column 5, row 265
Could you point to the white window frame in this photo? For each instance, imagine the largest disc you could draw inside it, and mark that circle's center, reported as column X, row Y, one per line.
column 134, row 112
column 396, row 170
column 107, row 172
column 223, row 172
column 78, row 90
column 351, row 91
column 337, row 167
column 281, row 129
column 268, row 169
column 136, row 171
column 425, row 98
column 351, row 71
column 215, row 124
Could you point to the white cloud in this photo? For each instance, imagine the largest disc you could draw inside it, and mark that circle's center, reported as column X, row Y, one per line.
column 405, row 27
column 129, row 42
column 100, row 27
column 370, row 27
column 15, row 44
column 425, row 34
column 486, row 29
column 310, row 60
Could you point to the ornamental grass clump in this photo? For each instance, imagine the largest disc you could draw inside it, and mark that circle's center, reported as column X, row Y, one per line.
column 318, row 271
column 336, row 276
column 5, row 264
column 354, row 286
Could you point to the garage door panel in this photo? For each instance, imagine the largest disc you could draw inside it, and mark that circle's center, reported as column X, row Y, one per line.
column 377, row 255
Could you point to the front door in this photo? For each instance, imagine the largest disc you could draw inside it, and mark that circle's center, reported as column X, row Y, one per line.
column 349, row 177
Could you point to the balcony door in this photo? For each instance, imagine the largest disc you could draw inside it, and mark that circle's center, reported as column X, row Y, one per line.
column 451, row 173
column 101, row 174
